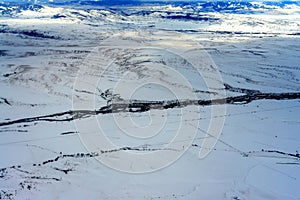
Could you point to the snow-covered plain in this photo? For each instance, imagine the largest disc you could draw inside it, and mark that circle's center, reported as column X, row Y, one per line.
column 70, row 75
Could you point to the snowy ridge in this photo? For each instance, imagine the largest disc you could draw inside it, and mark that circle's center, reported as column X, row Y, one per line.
column 223, row 17
column 241, row 7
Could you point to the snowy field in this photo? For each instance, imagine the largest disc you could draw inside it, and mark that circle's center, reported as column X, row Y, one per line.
column 150, row 100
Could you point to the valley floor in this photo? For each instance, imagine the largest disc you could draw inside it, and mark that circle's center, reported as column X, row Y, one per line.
column 230, row 94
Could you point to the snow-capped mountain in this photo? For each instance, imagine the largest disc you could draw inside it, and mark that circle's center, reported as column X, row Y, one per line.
column 200, row 6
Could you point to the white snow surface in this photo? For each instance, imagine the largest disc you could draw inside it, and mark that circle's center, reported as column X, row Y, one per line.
column 43, row 58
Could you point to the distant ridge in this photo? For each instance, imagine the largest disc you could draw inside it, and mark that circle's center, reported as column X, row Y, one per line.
column 133, row 2
column 11, row 7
